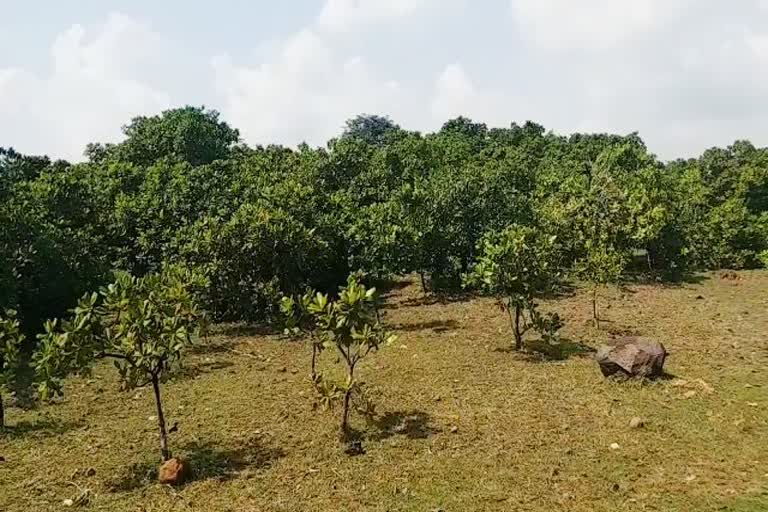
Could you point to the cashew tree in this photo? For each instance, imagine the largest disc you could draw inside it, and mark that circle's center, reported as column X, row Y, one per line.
column 11, row 339
column 143, row 324
column 349, row 325
column 515, row 265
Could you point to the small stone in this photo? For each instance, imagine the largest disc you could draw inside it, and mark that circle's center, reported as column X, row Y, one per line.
column 174, row 471
column 689, row 394
column 636, row 422
column 690, row 478
column 454, row 429
column 615, row 446
column 152, row 418
column 354, row 448
column 752, row 404
column 68, row 502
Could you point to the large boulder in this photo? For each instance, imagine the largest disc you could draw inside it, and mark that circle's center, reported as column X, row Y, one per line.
column 174, row 471
column 632, row 357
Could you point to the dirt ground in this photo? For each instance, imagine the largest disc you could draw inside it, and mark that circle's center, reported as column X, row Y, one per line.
column 463, row 423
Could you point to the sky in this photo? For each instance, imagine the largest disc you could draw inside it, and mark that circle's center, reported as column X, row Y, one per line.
column 685, row 74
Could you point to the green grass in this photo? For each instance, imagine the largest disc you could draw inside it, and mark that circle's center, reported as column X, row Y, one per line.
column 462, row 425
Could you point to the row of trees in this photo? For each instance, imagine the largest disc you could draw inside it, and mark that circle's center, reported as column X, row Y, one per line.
column 144, row 324
column 259, row 223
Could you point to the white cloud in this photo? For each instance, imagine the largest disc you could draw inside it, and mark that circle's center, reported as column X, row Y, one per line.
column 560, row 24
column 456, row 95
column 341, row 15
column 91, row 90
column 758, row 43
column 304, row 92
column 686, row 74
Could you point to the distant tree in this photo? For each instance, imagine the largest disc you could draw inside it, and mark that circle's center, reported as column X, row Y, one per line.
column 15, row 167
column 464, row 126
column 372, row 129
column 602, row 265
column 142, row 324
column 516, row 265
column 189, row 134
column 11, row 339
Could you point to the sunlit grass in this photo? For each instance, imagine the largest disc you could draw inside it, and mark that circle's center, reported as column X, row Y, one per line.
column 463, row 424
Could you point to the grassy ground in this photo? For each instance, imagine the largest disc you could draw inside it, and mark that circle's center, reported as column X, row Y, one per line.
column 463, row 423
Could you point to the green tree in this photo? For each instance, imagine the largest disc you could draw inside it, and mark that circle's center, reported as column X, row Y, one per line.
column 142, row 324
column 602, row 265
column 349, row 325
column 373, row 129
column 516, row 265
column 11, row 339
column 189, row 134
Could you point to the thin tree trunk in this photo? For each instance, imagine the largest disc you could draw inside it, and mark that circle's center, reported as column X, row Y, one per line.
column 423, row 283
column 345, row 416
column 166, row 453
column 518, row 335
column 345, row 411
column 2, row 413
column 314, row 360
column 594, row 308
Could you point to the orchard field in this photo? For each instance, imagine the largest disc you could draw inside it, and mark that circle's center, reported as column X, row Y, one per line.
column 395, row 321
column 463, row 423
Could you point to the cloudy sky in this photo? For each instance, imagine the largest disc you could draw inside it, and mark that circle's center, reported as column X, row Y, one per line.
column 686, row 74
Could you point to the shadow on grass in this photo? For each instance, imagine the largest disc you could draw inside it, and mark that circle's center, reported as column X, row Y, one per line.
column 434, row 325
column 388, row 286
column 38, row 429
column 437, row 298
column 208, row 461
column 542, row 351
column 666, row 280
column 539, row 351
column 411, row 424
column 241, row 330
column 194, row 370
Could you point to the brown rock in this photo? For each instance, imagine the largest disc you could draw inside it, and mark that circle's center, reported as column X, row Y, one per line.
column 174, row 471
column 632, row 357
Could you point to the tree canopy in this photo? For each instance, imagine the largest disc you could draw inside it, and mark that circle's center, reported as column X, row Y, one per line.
column 263, row 222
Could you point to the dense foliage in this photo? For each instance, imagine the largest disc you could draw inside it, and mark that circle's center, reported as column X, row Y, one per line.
column 517, row 265
column 11, row 339
column 259, row 223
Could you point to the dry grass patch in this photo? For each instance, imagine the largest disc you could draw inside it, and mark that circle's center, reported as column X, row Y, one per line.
column 463, row 424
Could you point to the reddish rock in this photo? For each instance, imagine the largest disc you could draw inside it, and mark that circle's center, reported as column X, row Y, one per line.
column 174, row 471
